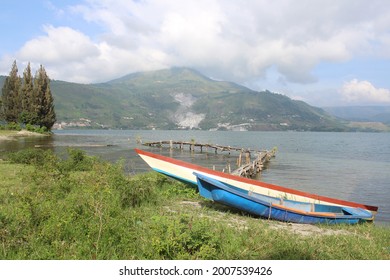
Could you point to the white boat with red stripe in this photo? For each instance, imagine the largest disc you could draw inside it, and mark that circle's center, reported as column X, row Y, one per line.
column 184, row 171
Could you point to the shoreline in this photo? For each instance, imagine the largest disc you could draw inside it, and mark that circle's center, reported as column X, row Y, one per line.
column 9, row 135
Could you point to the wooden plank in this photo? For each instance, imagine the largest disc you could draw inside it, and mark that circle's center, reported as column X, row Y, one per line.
column 192, row 145
column 249, row 169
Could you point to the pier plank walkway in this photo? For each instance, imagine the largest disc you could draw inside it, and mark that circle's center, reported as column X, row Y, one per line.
column 252, row 168
column 192, row 145
column 245, row 166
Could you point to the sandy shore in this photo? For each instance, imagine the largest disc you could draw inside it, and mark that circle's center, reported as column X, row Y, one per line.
column 5, row 138
column 10, row 135
column 28, row 133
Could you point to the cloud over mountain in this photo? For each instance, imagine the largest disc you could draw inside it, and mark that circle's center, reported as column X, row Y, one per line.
column 355, row 90
column 225, row 39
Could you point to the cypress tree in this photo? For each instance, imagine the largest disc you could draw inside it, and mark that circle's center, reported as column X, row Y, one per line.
column 26, row 96
column 49, row 117
column 1, row 109
column 42, row 100
column 11, row 108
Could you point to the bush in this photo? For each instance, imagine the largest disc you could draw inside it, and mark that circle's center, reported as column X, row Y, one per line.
column 77, row 160
column 28, row 127
column 13, row 126
column 184, row 237
column 135, row 191
column 37, row 129
column 32, row 156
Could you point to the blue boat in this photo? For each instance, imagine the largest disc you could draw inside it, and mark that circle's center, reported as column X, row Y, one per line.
column 278, row 208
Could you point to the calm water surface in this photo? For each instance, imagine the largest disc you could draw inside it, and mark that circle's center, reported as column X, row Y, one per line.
column 349, row 166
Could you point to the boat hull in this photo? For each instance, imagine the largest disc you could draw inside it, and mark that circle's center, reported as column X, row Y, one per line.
column 183, row 171
column 265, row 208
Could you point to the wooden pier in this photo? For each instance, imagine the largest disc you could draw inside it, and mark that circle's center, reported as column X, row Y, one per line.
column 246, row 167
column 193, row 145
column 252, row 168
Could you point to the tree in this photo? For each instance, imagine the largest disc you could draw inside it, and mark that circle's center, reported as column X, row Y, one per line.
column 11, row 107
column 42, row 104
column 30, row 102
column 1, row 110
column 26, row 96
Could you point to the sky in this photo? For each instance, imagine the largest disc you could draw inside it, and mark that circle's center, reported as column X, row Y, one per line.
column 323, row 52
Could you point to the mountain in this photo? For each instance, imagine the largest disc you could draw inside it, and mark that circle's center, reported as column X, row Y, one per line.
column 361, row 113
column 182, row 98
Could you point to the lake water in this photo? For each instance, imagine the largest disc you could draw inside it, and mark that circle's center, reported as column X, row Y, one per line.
column 349, row 166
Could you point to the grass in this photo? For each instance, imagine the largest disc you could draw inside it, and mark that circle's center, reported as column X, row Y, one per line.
column 8, row 132
column 84, row 208
column 11, row 134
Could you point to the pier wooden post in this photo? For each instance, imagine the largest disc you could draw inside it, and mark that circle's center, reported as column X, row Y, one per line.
column 249, row 169
column 247, row 157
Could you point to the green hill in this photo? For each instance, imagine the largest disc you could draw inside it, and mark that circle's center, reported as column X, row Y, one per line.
column 362, row 113
column 182, row 98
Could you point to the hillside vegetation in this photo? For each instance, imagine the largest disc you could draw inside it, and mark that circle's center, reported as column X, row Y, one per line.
column 362, row 113
column 182, row 98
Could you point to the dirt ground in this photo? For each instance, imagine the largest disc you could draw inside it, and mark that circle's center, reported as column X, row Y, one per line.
column 301, row 229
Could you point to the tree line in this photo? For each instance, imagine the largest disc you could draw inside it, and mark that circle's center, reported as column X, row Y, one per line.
column 27, row 100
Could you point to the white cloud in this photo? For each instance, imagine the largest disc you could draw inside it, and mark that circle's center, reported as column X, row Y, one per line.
column 364, row 91
column 242, row 41
column 59, row 45
column 68, row 54
column 229, row 39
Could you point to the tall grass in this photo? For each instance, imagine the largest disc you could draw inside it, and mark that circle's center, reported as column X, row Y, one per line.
column 80, row 207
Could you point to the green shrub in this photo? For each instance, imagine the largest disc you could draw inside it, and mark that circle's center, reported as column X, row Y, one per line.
column 77, row 160
column 36, row 128
column 184, row 237
column 32, row 156
column 135, row 191
column 178, row 189
column 13, row 126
